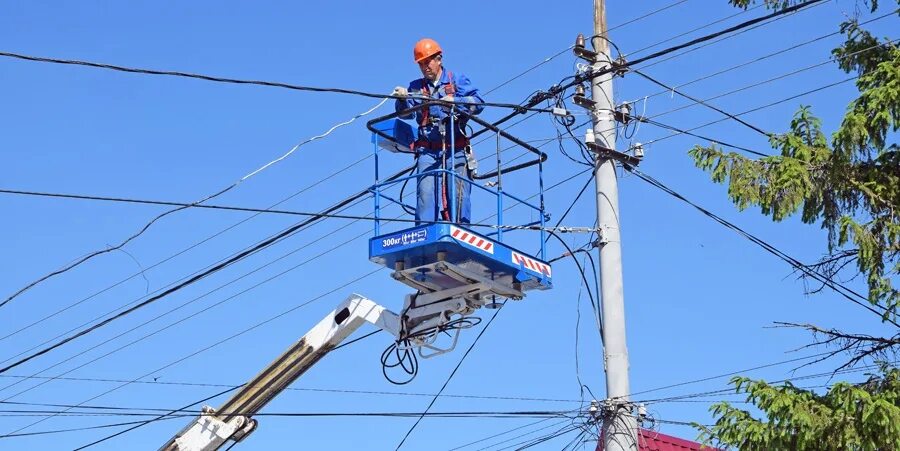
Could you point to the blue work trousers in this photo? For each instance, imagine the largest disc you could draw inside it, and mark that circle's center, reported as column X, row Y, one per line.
column 433, row 203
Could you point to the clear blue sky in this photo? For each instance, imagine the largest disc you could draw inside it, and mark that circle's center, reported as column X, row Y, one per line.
column 699, row 298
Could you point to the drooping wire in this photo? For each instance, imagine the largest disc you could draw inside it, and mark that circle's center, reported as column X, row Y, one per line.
column 184, row 250
column 402, row 352
column 793, row 262
column 450, row 377
column 704, row 103
column 166, row 213
column 259, row 324
column 158, row 418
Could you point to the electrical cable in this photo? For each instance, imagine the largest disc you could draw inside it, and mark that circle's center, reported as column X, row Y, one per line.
column 143, row 71
column 182, row 207
column 570, row 253
column 777, row 53
column 158, row 418
column 704, row 103
column 829, row 374
column 590, row 74
column 173, row 283
column 252, row 250
column 218, row 267
column 321, row 180
column 250, row 209
column 222, row 341
column 644, row 16
column 460, row 363
column 229, row 338
column 182, row 251
column 303, row 389
column 751, row 151
column 549, row 188
column 242, row 221
column 509, row 431
column 84, row 428
column 796, row 264
column 551, row 57
column 679, row 131
column 744, row 28
column 449, row 378
column 752, row 110
column 185, row 304
column 706, row 25
column 184, row 413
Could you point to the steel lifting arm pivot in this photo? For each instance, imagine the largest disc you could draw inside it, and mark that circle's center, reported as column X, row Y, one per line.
column 233, row 420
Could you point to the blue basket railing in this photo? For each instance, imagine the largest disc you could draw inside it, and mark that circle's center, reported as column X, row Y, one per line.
column 502, row 197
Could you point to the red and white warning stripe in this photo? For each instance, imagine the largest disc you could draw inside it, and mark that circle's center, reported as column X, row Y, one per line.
column 471, row 239
column 531, row 263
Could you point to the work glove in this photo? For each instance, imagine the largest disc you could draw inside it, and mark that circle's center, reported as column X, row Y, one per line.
column 400, row 91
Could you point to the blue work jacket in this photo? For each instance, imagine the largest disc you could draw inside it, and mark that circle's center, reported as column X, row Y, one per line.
column 465, row 92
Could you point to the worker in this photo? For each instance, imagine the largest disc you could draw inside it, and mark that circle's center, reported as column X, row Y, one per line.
column 432, row 148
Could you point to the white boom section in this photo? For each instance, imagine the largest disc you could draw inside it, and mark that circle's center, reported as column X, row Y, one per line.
column 233, row 422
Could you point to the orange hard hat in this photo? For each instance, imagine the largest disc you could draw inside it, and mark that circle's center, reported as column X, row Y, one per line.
column 425, row 48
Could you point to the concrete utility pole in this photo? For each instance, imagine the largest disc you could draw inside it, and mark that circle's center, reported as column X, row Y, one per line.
column 620, row 425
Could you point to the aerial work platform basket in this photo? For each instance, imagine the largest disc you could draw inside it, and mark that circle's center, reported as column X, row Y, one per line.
column 453, row 259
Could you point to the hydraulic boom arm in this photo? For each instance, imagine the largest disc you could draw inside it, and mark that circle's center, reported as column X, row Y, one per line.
column 233, row 420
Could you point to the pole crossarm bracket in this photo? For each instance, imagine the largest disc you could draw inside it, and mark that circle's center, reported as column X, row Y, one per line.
column 611, row 154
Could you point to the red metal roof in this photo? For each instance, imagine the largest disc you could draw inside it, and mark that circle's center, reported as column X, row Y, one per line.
column 654, row 441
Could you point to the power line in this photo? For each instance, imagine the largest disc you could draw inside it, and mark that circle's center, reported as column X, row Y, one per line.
column 161, row 289
column 221, row 341
column 741, row 28
column 731, row 373
column 449, row 378
column 689, row 132
column 773, row 54
column 506, row 432
column 271, row 207
column 704, row 103
column 549, row 188
column 251, row 217
column 265, row 243
column 186, row 412
column 796, row 264
column 197, row 313
column 752, row 110
column 201, row 275
column 196, row 277
column 189, row 248
column 229, row 338
column 300, row 389
column 159, row 418
column 263, row 210
column 829, row 374
column 411, row 429
column 706, row 25
column 709, row 37
column 541, row 63
column 723, row 143
column 644, row 16
column 591, row 73
column 81, row 429
column 766, row 81
column 679, row 131
column 144, row 71
column 185, row 206
column 343, row 203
